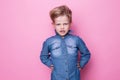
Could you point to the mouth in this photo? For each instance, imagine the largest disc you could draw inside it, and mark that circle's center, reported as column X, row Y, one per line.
column 62, row 31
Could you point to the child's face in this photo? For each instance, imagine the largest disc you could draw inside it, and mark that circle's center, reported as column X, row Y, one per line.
column 62, row 25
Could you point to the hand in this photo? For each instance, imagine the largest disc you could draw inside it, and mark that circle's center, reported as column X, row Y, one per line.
column 78, row 65
column 51, row 67
column 79, row 68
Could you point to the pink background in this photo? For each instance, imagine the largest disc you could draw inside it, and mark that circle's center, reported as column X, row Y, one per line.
column 25, row 24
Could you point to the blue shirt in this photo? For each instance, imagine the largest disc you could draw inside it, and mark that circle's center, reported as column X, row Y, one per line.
column 62, row 53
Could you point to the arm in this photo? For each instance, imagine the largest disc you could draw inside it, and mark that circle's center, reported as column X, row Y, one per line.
column 45, row 56
column 85, row 54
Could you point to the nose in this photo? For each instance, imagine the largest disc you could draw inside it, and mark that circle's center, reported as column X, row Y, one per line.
column 62, row 26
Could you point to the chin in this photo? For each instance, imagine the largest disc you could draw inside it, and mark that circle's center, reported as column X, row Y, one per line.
column 63, row 34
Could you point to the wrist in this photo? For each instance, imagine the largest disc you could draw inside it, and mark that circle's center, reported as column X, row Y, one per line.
column 50, row 66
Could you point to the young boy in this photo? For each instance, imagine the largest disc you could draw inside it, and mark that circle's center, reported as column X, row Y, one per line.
column 60, row 52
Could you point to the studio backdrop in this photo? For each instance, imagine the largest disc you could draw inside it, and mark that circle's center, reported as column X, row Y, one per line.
column 25, row 24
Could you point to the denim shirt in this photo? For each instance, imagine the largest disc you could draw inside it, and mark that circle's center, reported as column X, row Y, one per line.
column 62, row 53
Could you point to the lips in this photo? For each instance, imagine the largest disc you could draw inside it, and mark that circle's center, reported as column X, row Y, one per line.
column 62, row 31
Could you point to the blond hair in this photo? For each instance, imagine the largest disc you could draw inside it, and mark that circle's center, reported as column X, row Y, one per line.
column 61, row 11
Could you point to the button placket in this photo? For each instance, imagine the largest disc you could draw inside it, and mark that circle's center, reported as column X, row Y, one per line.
column 64, row 50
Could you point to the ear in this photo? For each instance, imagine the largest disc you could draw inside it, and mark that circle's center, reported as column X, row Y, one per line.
column 70, row 25
column 53, row 24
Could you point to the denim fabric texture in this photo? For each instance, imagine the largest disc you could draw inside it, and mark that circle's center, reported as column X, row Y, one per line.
column 62, row 53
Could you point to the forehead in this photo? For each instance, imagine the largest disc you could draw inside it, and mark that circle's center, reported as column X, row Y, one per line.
column 63, row 18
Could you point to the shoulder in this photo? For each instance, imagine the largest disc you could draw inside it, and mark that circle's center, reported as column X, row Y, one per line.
column 50, row 39
column 75, row 37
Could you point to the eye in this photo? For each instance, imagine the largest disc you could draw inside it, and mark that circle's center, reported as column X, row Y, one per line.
column 66, row 23
column 58, row 24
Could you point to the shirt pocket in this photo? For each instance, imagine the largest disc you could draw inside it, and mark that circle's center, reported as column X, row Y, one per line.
column 55, row 50
column 71, row 49
column 55, row 46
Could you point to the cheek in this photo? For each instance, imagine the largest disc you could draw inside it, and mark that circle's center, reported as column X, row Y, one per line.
column 67, row 27
column 57, row 27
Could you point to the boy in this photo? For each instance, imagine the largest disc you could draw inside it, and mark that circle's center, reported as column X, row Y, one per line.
column 60, row 52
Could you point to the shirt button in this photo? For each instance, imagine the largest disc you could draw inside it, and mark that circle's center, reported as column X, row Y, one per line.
column 67, row 79
column 66, row 63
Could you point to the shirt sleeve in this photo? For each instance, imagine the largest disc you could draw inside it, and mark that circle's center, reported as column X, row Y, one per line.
column 45, row 56
column 85, row 53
